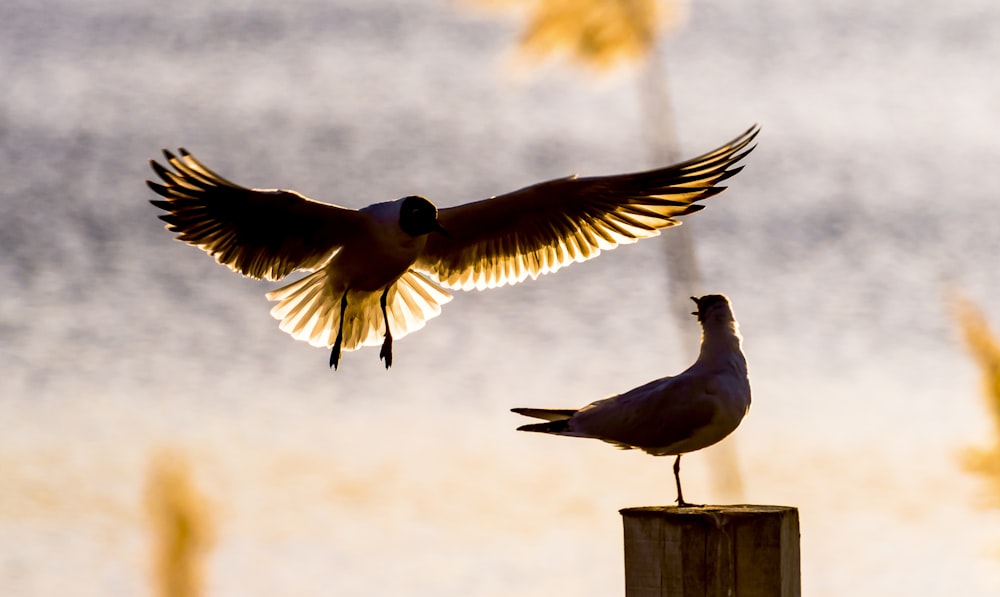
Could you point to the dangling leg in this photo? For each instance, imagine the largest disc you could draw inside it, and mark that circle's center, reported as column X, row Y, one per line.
column 386, row 352
column 335, row 353
column 677, row 477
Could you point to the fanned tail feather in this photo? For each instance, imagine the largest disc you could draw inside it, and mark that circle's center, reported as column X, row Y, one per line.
column 309, row 309
column 412, row 301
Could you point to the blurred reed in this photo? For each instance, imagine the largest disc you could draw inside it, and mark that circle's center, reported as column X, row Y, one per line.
column 602, row 34
column 985, row 350
column 180, row 527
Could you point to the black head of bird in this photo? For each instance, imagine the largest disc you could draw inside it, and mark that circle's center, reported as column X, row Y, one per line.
column 418, row 216
column 706, row 304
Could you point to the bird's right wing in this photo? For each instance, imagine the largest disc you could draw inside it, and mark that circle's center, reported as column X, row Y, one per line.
column 258, row 233
column 543, row 227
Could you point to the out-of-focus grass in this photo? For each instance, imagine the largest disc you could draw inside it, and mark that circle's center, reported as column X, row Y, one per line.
column 599, row 33
column 985, row 349
column 180, row 527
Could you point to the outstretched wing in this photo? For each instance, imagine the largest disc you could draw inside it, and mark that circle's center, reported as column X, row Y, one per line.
column 541, row 228
column 258, row 233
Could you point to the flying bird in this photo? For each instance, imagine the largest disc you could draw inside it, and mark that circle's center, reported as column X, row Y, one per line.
column 671, row 415
column 382, row 271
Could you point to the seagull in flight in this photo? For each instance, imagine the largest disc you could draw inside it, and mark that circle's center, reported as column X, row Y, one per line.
column 382, row 271
column 671, row 415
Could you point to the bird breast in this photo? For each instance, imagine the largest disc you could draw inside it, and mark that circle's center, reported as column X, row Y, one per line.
column 381, row 253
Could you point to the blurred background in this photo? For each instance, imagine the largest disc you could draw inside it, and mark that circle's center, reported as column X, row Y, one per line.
column 871, row 197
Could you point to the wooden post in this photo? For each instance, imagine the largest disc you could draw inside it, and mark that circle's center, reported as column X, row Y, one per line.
column 712, row 551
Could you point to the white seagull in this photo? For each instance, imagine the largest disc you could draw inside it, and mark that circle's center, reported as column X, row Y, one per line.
column 381, row 271
column 671, row 415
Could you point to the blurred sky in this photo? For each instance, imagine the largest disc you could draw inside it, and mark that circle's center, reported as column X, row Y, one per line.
column 870, row 197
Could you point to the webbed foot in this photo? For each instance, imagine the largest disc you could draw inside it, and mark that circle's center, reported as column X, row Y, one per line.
column 386, row 353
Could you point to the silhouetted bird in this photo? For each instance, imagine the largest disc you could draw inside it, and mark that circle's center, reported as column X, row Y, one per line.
column 379, row 271
column 671, row 415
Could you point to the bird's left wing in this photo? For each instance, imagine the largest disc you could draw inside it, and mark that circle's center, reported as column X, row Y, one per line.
column 258, row 233
column 543, row 227
column 654, row 415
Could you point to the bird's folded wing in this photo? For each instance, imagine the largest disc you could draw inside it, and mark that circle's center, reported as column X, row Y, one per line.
column 655, row 415
column 259, row 233
column 541, row 228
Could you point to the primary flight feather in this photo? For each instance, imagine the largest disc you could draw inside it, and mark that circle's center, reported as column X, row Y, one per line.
column 382, row 271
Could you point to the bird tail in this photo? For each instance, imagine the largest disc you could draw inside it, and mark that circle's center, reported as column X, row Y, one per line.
column 309, row 309
column 558, row 427
column 548, row 414
column 558, row 419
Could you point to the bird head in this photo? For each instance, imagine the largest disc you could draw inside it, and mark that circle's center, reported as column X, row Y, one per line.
column 418, row 216
column 709, row 304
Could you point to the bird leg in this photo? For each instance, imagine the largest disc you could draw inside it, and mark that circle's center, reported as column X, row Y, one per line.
column 677, row 477
column 386, row 352
column 335, row 353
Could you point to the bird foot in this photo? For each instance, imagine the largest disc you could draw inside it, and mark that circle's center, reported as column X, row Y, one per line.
column 682, row 504
column 386, row 353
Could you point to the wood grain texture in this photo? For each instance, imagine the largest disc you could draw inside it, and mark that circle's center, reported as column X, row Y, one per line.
column 713, row 551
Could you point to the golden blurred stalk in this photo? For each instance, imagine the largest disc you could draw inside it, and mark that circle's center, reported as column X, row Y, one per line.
column 599, row 33
column 985, row 349
column 180, row 528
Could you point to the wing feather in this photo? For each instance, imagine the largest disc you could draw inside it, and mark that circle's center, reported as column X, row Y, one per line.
column 544, row 227
column 655, row 415
column 259, row 233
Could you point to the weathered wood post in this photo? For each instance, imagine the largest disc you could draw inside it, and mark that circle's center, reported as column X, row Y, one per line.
column 713, row 551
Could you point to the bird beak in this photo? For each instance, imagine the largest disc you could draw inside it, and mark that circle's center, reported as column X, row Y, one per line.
column 695, row 299
column 440, row 229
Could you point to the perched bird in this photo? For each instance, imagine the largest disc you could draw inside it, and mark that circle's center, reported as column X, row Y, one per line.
column 671, row 415
column 381, row 271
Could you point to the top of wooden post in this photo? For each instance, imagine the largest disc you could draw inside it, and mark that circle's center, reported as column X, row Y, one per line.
column 712, row 551
column 729, row 510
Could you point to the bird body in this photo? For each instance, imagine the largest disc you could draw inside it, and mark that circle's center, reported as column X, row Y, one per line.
column 381, row 253
column 374, row 262
column 671, row 415
column 384, row 270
